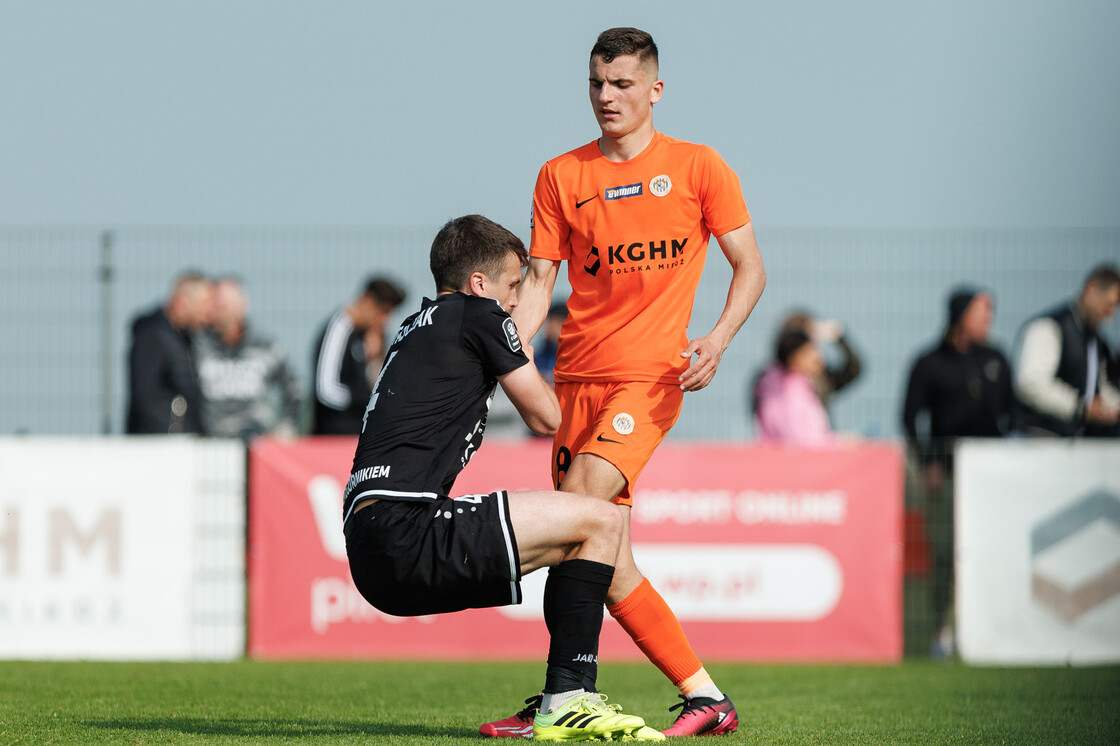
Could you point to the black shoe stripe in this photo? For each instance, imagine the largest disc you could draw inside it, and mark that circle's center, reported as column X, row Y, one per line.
column 581, row 722
column 576, row 719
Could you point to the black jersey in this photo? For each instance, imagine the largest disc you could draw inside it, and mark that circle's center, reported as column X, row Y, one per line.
column 427, row 413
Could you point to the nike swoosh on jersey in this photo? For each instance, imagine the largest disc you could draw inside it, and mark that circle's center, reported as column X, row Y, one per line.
column 584, row 202
column 601, row 439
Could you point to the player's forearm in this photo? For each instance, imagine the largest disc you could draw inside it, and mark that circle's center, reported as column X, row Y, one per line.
column 530, row 313
column 534, row 399
column 534, row 296
column 748, row 280
column 543, row 418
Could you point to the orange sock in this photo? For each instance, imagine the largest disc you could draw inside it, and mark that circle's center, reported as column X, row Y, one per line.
column 654, row 628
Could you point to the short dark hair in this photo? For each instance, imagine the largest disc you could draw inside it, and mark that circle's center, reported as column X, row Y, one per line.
column 469, row 244
column 1103, row 276
column 384, row 292
column 618, row 42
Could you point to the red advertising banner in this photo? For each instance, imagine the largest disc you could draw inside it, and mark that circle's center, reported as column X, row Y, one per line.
column 763, row 553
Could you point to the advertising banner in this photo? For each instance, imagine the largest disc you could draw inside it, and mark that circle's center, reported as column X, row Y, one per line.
column 764, row 554
column 102, row 548
column 1038, row 551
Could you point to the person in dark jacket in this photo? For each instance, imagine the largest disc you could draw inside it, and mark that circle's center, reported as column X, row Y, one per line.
column 959, row 388
column 1062, row 382
column 348, row 356
column 164, row 395
column 963, row 384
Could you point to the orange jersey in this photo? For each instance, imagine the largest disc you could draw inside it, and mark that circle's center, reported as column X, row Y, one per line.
column 635, row 235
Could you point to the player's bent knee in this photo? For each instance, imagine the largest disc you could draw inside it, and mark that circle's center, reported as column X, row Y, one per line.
column 609, row 519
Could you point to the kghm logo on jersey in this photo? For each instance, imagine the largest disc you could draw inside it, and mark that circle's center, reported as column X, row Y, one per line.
column 592, row 263
column 621, row 192
column 639, row 256
column 661, row 185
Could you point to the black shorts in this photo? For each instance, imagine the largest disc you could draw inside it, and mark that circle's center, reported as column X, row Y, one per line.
column 432, row 557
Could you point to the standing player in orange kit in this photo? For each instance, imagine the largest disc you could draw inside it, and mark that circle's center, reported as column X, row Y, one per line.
column 631, row 213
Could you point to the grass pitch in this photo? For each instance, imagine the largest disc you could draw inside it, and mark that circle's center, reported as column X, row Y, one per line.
column 404, row 703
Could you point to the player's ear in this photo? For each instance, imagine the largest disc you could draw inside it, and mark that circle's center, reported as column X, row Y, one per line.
column 476, row 284
column 655, row 91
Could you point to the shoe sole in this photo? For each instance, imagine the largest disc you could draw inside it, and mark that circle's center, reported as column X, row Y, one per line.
column 525, row 731
column 619, row 734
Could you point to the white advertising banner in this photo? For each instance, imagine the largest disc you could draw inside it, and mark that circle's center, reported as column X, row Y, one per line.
column 101, row 555
column 1038, row 551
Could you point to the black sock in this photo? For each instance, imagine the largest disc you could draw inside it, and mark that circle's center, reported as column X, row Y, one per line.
column 574, row 596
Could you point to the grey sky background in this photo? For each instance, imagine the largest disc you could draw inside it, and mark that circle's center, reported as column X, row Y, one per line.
column 287, row 112
column 886, row 150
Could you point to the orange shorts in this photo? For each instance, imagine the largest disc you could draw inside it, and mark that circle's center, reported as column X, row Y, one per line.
column 620, row 422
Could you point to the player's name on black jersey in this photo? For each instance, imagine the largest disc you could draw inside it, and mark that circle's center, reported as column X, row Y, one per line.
column 427, row 413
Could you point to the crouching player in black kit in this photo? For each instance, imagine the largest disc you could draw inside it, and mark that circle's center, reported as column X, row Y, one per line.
column 413, row 550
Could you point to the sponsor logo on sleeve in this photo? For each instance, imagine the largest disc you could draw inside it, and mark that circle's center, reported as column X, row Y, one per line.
column 512, row 338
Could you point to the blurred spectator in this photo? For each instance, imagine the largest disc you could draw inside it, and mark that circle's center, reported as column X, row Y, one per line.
column 164, row 395
column 832, row 378
column 790, row 410
column 348, row 356
column 1061, row 381
column 544, row 355
column 962, row 385
column 247, row 387
column 959, row 388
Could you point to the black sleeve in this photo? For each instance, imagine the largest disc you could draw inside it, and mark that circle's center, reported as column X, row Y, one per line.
column 848, row 371
column 181, row 373
column 146, row 362
column 491, row 334
column 916, row 400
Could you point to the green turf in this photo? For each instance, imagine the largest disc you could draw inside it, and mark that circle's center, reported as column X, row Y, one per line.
column 397, row 703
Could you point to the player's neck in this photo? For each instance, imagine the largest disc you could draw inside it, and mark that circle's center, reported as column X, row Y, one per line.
column 630, row 145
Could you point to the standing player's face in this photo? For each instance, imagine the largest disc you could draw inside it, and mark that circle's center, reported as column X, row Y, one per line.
column 504, row 287
column 623, row 92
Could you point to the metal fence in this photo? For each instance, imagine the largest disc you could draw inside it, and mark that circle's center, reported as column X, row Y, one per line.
column 67, row 296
